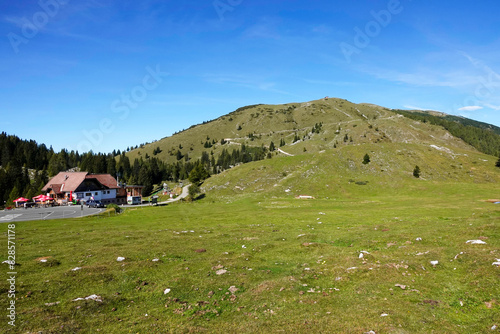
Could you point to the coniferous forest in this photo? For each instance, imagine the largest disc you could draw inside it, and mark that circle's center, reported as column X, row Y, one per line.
column 26, row 166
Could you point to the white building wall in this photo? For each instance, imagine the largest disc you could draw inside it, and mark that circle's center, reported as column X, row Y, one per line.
column 109, row 194
column 97, row 195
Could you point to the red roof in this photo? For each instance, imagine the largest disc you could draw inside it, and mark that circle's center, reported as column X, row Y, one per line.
column 65, row 181
column 70, row 181
column 105, row 179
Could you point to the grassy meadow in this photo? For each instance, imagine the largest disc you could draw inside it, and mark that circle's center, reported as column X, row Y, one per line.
column 268, row 264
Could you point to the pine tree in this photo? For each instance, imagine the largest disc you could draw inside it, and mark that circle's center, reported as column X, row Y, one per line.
column 198, row 174
column 272, row 147
column 366, row 159
column 498, row 163
column 193, row 190
column 14, row 193
column 416, row 172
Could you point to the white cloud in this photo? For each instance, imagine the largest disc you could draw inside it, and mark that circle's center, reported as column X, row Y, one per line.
column 470, row 108
column 492, row 106
column 412, row 107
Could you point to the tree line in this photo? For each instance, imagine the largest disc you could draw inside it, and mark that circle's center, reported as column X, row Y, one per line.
column 484, row 137
column 27, row 166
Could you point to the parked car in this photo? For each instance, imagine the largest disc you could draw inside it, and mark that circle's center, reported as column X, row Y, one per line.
column 95, row 204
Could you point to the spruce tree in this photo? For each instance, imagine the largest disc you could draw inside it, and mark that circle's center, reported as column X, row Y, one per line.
column 193, row 191
column 366, row 159
column 498, row 163
column 416, row 172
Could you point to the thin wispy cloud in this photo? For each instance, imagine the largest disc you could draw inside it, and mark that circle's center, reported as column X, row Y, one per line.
column 242, row 81
column 412, row 107
column 470, row 108
column 265, row 29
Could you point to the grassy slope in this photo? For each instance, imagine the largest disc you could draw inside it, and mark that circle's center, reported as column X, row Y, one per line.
column 365, row 123
column 296, row 254
column 334, row 173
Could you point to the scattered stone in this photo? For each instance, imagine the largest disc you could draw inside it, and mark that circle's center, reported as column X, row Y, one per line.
column 233, row 289
column 456, row 256
column 403, row 287
column 418, row 239
column 221, row 272
column 91, row 297
column 352, row 268
column 434, row 263
column 201, row 250
column 361, row 254
column 384, row 315
column 155, row 260
column 307, row 244
column 496, row 263
column 166, row 291
column 52, row 304
column 494, row 327
column 475, row 242
column 219, row 266
column 389, row 244
column 120, row 259
column 75, row 269
column 243, row 246
column 420, row 253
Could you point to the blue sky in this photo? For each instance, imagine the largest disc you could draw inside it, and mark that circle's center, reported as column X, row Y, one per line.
column 102, row 74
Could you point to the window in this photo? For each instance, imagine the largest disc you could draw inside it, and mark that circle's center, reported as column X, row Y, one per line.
column 96, row 193
column 88, row 194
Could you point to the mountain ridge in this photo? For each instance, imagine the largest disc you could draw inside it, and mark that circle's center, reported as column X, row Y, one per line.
column 260, row 124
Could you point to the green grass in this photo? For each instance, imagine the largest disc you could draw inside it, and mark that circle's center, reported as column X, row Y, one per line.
column 364, row 123
column 292, row 273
